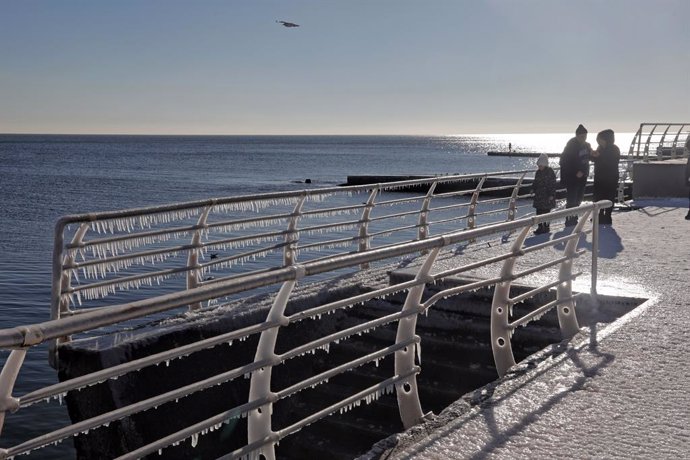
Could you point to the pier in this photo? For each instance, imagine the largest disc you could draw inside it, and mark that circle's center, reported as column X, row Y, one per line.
column 401, row 317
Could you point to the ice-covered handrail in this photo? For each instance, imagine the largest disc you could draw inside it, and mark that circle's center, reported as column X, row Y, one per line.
column 263, row 435
column 98, row 256
column 654, row 141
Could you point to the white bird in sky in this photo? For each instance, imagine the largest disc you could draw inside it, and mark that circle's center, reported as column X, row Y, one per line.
column 288, row 24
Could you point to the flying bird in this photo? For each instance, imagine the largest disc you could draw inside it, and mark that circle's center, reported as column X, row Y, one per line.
column 288, row 24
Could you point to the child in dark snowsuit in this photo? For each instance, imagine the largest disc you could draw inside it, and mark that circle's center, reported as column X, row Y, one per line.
column 544, row 188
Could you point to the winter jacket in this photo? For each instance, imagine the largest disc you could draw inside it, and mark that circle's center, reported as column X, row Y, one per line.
column 544, row 188
column 606, row 173
column 687, row 172
column 575, row 157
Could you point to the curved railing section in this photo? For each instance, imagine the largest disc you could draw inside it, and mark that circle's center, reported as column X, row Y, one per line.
column 263, row 434
column 654, row 141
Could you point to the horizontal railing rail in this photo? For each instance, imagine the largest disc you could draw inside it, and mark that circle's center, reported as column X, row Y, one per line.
column 103, row 258
column 258, row 408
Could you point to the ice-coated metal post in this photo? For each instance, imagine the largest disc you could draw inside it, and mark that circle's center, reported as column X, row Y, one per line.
column 8, row 377
column 259, row 420
column 500, row 310
column 422, row 224
column 675, row 141
column 595, row 255
column 408, row 397
column 289, row 253
column 193, row 258
column 513, row 198
column 364, row 239
column 471, row 222
column 566, row 311
column 649, row 141
column 64, row 280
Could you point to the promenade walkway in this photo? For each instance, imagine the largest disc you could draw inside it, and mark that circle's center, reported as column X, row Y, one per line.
column 620, row 390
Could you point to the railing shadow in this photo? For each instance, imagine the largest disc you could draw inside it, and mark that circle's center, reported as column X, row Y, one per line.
column 501, row 436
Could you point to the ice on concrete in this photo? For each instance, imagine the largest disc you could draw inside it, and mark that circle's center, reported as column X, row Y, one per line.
column 615, row 391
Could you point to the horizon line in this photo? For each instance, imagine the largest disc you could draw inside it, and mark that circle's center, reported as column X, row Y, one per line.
column 293, row 134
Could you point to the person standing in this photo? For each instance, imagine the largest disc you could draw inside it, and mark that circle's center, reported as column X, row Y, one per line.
column 544, row 188
column 574, row 164
column 606, row 158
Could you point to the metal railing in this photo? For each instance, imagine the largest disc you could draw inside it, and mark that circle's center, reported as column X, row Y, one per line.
column 258, row 409
column 654, row 141
column 188, row 245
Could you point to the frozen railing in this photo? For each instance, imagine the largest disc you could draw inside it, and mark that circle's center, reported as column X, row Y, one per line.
column 659, row 141
column 263, row 435
column 169, row 248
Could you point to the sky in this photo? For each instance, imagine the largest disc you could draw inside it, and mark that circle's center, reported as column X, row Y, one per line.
column 352, row 67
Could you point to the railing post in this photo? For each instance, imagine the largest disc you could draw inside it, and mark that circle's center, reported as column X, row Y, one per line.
column 407, row 392
column 649, row 140
column 66, row 277
column 364, row 239
column 259, row 420
column 675, row 140
column 8, row 377
column 193, row 258
column 64, row 282
column 595, row 254
column 471, row 222
column 500, row 310
column 423, row 225
column 566, row 311
column 513, row 198
column 660, row 148
column 289, row 253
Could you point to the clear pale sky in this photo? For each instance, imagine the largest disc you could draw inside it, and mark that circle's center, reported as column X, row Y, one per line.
column 352, row 67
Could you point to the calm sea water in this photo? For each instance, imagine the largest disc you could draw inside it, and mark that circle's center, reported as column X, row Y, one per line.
column 43, row 177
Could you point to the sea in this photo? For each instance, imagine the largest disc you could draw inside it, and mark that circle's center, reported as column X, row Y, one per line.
column 43, row 177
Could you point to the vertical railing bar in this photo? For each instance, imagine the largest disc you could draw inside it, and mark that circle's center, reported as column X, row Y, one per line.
column 193, row 257
column 636, row 137
column 675, row 140
column 660, row 148
column 292, row 236
column 64, row 281
column 471, row 222
column 407, row 392
column 566, row 311
column 423, row 224
column 364, row 237
column 259, row 420
column 8, row 377
column 595, row 257
column 649, row 140
column 513, row 198
column 500, row 310
column 66, row 276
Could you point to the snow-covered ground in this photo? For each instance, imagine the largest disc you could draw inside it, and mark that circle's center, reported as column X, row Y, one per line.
column 620, row 390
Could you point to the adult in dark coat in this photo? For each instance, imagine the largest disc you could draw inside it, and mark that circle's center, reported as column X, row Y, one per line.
column 574, row 164
column 687, row 173
column 606, row 158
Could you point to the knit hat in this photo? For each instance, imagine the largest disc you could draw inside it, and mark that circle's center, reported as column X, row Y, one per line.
column 580, row 130
column 608, row 136
column 543, row 160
